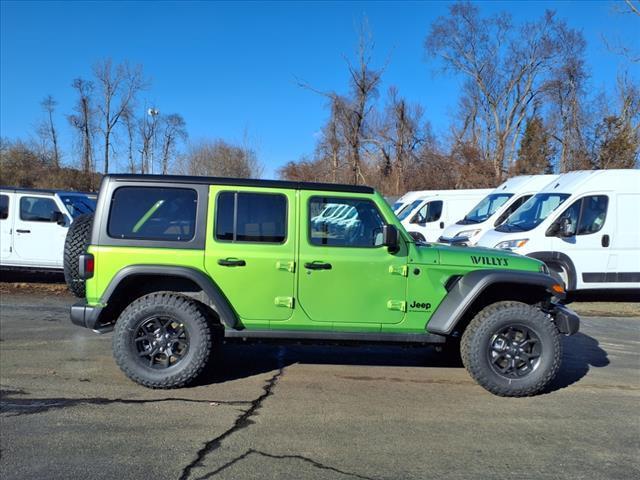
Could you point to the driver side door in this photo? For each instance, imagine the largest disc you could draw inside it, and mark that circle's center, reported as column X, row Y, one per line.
column 346, row 276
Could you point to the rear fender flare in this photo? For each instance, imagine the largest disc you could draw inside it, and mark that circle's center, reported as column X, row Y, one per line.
column 217, row 299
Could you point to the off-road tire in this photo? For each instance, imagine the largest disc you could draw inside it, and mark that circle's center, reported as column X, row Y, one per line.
column 76, row 244
column 476, row 346
column 183, row 309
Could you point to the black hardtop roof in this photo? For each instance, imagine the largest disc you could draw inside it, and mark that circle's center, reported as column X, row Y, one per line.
column 241, row 182
column 47, row 191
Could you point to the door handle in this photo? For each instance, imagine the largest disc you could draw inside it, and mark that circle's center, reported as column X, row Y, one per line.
column 317, row 266
column 441, row 224
column 231, row 262
column 23, row 231
column 605, row 240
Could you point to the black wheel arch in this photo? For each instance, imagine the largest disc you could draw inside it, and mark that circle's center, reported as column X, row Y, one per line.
column 480, row 288
column 561, row 259
column 133, row 281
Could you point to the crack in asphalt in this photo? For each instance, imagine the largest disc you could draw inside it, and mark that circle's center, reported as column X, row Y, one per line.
column 243, row 421
column 28, row 406
column 302, row 458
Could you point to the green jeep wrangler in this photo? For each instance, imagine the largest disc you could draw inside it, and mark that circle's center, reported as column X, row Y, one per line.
column 172, row 263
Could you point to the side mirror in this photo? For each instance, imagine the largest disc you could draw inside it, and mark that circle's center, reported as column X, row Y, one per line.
column 59, row 218
column 390, row 238
column 566, row 228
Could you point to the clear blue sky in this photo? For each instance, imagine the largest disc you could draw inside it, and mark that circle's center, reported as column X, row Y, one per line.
column 230, row 68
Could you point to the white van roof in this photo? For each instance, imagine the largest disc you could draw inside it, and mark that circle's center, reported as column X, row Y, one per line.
column 525, row 183
column 593, row 180
column 460, row 191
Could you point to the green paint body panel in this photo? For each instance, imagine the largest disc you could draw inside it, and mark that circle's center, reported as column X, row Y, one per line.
column 366, row 290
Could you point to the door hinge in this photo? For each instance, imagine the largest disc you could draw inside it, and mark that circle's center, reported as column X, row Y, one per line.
column 286, row 265
column 284, row 302
column 399, row 305
column 399, row 270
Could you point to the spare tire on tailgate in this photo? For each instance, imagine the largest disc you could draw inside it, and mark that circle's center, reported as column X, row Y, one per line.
column 76, row 244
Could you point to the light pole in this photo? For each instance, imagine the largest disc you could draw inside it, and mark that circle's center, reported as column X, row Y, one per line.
column 153, row 112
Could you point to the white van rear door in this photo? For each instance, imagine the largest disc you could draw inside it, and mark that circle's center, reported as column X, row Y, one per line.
column 625, row 241
column 38, row 240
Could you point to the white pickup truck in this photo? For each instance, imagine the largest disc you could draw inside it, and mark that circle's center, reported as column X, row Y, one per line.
column 34, row 224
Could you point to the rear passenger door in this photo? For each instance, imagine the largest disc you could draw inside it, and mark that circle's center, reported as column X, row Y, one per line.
column 250, row 250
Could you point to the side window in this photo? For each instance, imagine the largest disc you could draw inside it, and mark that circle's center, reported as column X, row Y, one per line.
column 356, row 223
column 153, row 213
column 511, row 208
column 4, row 207
column 594, row 213
column 37, row 209
column 430, row 212
column 251, row 217
column 572, row 213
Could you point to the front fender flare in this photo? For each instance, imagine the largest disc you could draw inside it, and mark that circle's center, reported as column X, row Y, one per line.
column 218, row 300
column 469, row 287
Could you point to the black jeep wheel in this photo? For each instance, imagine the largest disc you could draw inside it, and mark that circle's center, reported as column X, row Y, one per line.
column 511, row 349
column 162, row 340
column 76, row 244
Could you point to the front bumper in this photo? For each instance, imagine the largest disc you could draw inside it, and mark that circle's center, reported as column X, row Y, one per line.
column 88, row 316
column 565, row 319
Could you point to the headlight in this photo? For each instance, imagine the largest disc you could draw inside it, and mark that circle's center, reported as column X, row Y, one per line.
column 468, row 233
column 511, row 244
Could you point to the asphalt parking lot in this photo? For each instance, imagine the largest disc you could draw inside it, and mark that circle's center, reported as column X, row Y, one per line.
column 321, row 412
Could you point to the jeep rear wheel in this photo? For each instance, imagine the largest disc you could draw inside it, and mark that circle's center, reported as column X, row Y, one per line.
column 162, row 340
column 511, row 349
column 75, row 244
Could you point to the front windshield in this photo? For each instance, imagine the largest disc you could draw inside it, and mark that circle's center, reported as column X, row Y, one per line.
column 406, row 211
column 487, row 207
column 532, row 212
column 397, row 206
column 78, row 204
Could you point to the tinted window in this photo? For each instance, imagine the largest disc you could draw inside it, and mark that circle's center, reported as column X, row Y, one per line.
column 356, row 223
column 594, row 213
column 78, row 204
column 37, row 209
column 153, row 213
column 251, row 217
column 407, row 209
column 430, row 212
column 487, row 207
column 4, row 207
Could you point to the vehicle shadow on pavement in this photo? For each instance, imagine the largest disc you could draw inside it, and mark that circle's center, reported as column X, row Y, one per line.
column 235, row 361
column 580, row 352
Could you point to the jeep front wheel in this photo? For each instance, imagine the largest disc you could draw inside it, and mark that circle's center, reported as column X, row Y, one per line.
column 162, row 340
column 511, row 349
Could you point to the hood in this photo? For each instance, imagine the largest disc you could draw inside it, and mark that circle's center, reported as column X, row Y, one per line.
column 476, row 258
column 492, row 237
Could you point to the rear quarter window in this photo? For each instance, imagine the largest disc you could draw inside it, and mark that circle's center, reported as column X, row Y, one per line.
column 4, row 207
column 153, row 213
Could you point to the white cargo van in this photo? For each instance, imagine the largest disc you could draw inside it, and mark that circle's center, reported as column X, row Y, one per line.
column 408, row 198
column 585, row 226
column 495, row 208
column 426, row 217
column 34, row 224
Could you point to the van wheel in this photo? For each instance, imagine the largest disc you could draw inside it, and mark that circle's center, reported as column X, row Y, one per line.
column 511, row 349
column 417, row 236
column 162, row 340
column 76, row 244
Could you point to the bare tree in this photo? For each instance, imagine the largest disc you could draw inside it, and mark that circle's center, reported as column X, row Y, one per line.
column 48, row 129
column 118, row 86
column 173, row 130
column 147, row 130
column 82, row 121
column 505, row 67
column 129, row 121
column 221, row 159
